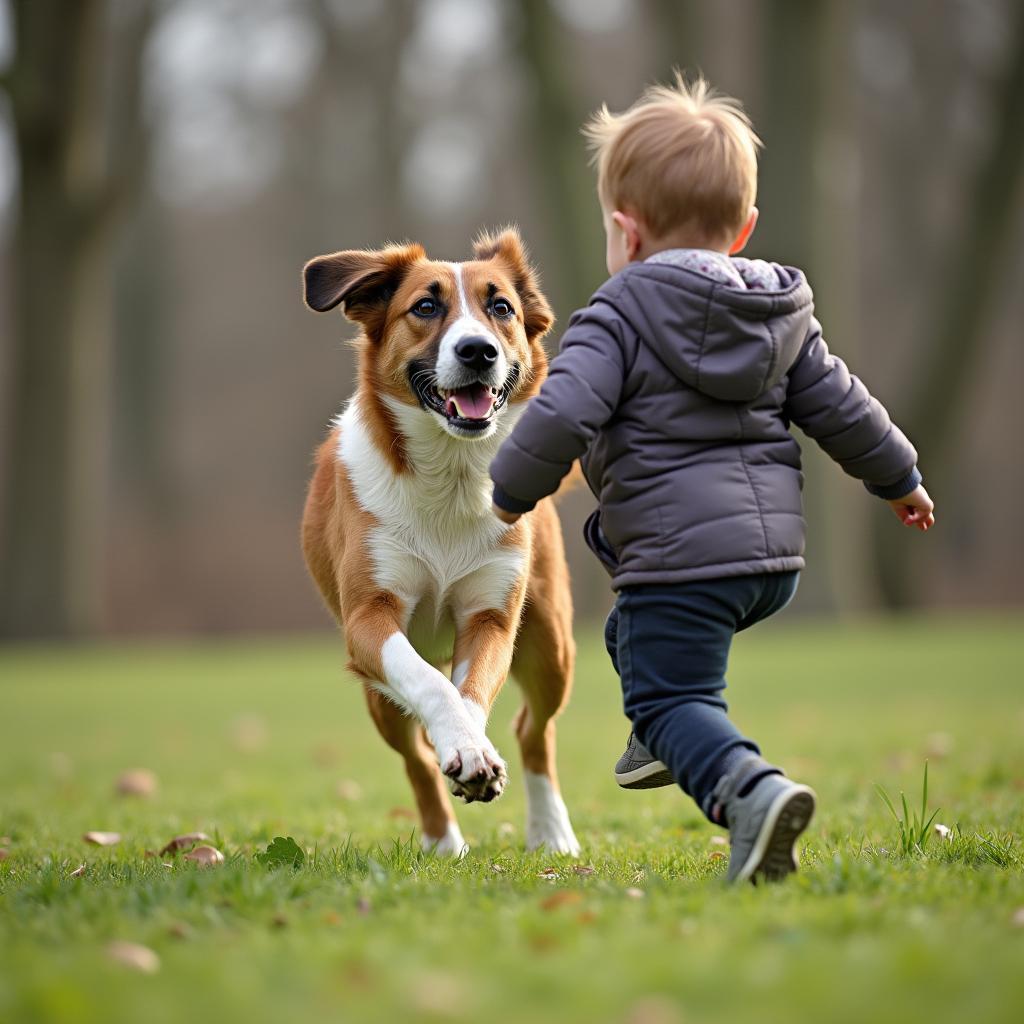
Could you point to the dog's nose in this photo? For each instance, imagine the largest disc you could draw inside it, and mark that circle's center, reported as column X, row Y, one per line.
column 476, row 352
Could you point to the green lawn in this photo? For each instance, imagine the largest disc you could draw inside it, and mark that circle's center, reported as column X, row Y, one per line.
column 251, row 740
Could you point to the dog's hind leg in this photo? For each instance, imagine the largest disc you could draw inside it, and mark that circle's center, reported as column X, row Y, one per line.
column 543, row 666
column 403, row 733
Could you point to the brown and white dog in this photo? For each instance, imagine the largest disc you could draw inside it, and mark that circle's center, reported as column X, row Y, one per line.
column 400, row 538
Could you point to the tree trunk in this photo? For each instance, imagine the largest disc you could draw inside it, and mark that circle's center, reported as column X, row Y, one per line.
column 52, row 544
column 954, row 341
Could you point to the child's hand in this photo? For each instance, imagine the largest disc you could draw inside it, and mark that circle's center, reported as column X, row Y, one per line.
column 915, row 509
column 505, row 517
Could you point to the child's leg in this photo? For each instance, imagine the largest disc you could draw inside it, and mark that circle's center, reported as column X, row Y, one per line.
column 673, row 648
column 636, row 767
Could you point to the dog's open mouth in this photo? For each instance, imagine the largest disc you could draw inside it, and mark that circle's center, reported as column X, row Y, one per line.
column 471, row 407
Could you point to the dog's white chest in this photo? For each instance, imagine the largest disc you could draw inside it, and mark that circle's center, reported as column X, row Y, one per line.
column 436, row 544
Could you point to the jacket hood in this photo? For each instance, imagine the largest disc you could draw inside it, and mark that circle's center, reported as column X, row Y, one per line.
column 730, row 343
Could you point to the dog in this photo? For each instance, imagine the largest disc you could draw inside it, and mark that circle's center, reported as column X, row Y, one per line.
column 399, row 535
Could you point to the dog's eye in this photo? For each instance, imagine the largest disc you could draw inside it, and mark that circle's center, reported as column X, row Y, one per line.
column 502, row 308
column 425, row 308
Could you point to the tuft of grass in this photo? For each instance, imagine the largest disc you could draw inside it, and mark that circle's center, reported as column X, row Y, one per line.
column 915, row 828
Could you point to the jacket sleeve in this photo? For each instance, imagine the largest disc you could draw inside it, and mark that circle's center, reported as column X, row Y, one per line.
column 580, row 395
column 835, row 409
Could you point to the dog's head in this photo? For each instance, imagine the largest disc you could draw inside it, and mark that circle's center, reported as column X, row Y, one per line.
column 460, row 341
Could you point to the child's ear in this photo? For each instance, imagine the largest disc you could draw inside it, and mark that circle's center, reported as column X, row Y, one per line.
column 363, row 279
column 507, row 248
column 740, row 242
column 631, row 231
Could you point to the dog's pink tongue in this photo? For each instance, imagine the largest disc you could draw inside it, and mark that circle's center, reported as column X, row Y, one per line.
column 472, row 403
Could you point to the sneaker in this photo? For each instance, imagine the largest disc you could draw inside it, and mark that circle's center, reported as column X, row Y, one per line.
column 764, row 823
column 639, row 769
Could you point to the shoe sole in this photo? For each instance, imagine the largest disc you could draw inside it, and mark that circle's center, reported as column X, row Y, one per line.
column 653, row 775
column 774, row 855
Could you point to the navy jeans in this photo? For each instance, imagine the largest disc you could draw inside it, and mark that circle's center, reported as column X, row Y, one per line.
column 670, row 646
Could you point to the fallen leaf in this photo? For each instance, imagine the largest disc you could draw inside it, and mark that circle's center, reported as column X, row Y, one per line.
column 635, row 894
column 586, row 917
column 497, row 869
column 139, row 782
column 548, row 873
column 205, row 856
column 719, row 841
column 78, row 872
column 349, row 790
column 179, row 930
column 943, row 831
column 180, row 842
column 716, row 855
column 279, row 920
column 1018, row 918
column 561, row 898
column 332, row 917
column 584, row 870
column 102, row 838
column 131, row 954
column 401, row 812
column 4, row 853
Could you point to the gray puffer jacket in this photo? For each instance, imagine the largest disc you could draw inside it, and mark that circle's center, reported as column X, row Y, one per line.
column 677, row 391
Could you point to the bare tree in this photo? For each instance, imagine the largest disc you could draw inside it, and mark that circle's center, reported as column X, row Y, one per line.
column 74, row 93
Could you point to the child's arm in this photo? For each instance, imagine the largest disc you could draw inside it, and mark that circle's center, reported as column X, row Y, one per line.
column 580, row 395
column 834, row 408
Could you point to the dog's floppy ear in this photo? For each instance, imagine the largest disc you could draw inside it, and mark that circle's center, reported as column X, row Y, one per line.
column 507, row 247
column 363, row 279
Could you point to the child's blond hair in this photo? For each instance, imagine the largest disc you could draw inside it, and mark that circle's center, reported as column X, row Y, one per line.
column 682, row 158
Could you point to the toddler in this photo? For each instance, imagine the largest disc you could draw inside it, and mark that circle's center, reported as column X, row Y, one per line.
column 676, row 387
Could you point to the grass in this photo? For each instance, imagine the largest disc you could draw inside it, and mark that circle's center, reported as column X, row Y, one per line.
column 251, row 741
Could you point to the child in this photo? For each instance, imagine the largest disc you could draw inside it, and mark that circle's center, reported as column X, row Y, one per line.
column 676, row 386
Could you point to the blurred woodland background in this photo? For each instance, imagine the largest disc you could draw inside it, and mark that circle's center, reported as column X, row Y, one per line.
column 166, row 167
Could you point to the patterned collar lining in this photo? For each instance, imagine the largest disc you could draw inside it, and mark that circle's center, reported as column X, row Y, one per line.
column 735, row 272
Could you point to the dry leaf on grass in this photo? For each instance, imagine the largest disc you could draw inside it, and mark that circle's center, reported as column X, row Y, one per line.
column 102, row 838
column 584, row 870
column 4, row 853
column 561, row 898
column 78, row 872
column 205, row 856
column 139, row 782
column 131, row 954
column 548, row 873
column 349, row 790
column 180, row 842
column 716, row 855
column 497, row 869
column 179, row 930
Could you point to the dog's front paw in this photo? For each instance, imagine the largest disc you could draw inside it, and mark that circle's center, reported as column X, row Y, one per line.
column 475, row 771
